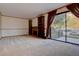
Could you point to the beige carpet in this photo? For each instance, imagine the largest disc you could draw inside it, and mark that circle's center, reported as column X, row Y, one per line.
column 31, row 46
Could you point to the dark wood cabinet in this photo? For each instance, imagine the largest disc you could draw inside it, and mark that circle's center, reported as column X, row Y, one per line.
column 41, row 28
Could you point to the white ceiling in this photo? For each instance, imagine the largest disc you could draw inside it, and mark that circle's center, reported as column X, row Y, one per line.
column 27, row 10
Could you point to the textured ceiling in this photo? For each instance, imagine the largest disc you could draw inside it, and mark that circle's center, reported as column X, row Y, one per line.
column 27, row 10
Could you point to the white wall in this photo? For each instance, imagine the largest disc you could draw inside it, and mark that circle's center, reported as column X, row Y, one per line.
column 13, row 26
column 34, row 22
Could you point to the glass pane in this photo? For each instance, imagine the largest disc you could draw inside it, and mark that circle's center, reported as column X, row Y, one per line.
column 58, row 27
column 72, row 28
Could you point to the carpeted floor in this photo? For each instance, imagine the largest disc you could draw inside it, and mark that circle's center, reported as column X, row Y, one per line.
column 31, row 46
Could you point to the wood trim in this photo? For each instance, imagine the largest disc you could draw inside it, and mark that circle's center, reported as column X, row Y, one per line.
column 15, row 17
column 62, row 12
column 14, row 36
column 13, row 28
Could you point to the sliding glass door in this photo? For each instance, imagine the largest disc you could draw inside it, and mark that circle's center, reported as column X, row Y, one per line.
column 73, row 27
column 65, row 27
column 58, row 27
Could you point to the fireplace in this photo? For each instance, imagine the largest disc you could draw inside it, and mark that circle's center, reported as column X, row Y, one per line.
column 35, row 31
